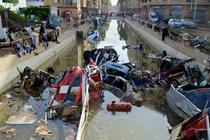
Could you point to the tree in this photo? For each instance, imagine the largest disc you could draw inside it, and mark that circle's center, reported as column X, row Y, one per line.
column 10, row 1
column 41, row 12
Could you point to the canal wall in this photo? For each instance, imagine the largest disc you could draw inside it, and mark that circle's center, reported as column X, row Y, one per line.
column 34, row 62
column 159, row 45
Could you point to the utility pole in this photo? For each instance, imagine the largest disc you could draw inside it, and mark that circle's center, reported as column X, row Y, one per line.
column 148, row 8
column 195, row 9
column 191, row 2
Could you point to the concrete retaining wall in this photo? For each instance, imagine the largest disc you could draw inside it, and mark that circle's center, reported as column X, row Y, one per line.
column 34, row 62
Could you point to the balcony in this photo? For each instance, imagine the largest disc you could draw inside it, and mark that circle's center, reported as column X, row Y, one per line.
column 65, row 3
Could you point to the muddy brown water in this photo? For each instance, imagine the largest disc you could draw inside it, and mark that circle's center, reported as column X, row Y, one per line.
column 149, row 122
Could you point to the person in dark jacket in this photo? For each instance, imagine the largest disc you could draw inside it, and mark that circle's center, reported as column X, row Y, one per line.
column 164, row 33
column 41, row 30
column 42, row 35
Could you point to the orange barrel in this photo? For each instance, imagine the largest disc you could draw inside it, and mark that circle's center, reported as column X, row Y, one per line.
column 121, row 106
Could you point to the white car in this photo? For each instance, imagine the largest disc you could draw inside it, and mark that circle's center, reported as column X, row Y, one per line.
column 3, row 34
column 175, row 23
column 188, row 23
column 93, row 37
column 153, row 16
column 136, row 17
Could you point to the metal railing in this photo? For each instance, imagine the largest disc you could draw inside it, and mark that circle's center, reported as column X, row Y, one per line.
column 85, row 107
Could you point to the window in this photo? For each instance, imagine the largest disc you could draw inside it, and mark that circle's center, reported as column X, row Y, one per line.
column 69, row 2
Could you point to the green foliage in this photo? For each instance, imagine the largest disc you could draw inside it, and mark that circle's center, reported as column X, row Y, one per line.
column 40, row 12
column 10, row 1
column 14, row 16
column 107, row 2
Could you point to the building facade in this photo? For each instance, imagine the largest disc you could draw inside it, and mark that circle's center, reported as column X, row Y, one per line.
column 68, row 8
column 197, row 10
column 90, row 7
column 77, row 8
column 105, row 6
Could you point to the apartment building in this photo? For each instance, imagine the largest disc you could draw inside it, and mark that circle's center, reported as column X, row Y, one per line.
column 77, row 8
column 197, row 10
column 105, row 6
column 68, row 8
column 91, row 7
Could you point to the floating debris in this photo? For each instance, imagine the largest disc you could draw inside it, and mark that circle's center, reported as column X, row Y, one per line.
column 42, row 131
column 22, row 118
column 11, row 132
column 135, row 47
column 8, row 132
column 94, row 37
column 8, row 96
column 71, row 113
column 34, row 82
column 121, row 106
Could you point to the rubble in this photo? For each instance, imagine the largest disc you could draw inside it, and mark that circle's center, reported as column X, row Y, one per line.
column 71, row 113
column 34, row 82
column 42, row 131
column 10, row 133
column 22, row 118
column 8, row 96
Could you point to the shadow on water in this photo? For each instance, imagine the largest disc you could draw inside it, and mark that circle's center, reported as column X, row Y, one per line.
column 152, row 120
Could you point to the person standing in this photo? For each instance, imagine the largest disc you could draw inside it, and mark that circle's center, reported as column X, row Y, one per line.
column 34, row 42
column 164, row 33
column 42, row 35
column 10, row 35
column 42, row 29
column 55, row 33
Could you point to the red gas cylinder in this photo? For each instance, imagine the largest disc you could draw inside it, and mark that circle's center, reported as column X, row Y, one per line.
column 121, row 106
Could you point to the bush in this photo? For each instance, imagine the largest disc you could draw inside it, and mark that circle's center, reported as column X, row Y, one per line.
column 15, row 17
column 40, row 12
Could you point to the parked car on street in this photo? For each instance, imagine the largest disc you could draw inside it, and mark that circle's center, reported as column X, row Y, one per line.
column 175, row 23
column 165, row 20
column 153, row 16
column 53, row 21
column 3, row 34
column 136, row 17
column 188, row 23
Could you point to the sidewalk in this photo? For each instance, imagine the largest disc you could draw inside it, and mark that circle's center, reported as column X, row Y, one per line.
column 9, row 64
column 8, row 61
column 173, row 48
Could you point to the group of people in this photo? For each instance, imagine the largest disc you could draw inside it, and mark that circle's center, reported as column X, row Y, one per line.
column 29, row 44
column 23, row 48
column 44, row 38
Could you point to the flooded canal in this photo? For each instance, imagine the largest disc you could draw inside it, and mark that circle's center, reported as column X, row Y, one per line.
column 148, row 122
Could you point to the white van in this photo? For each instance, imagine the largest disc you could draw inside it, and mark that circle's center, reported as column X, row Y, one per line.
column 98, row 21
column 153, row 16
